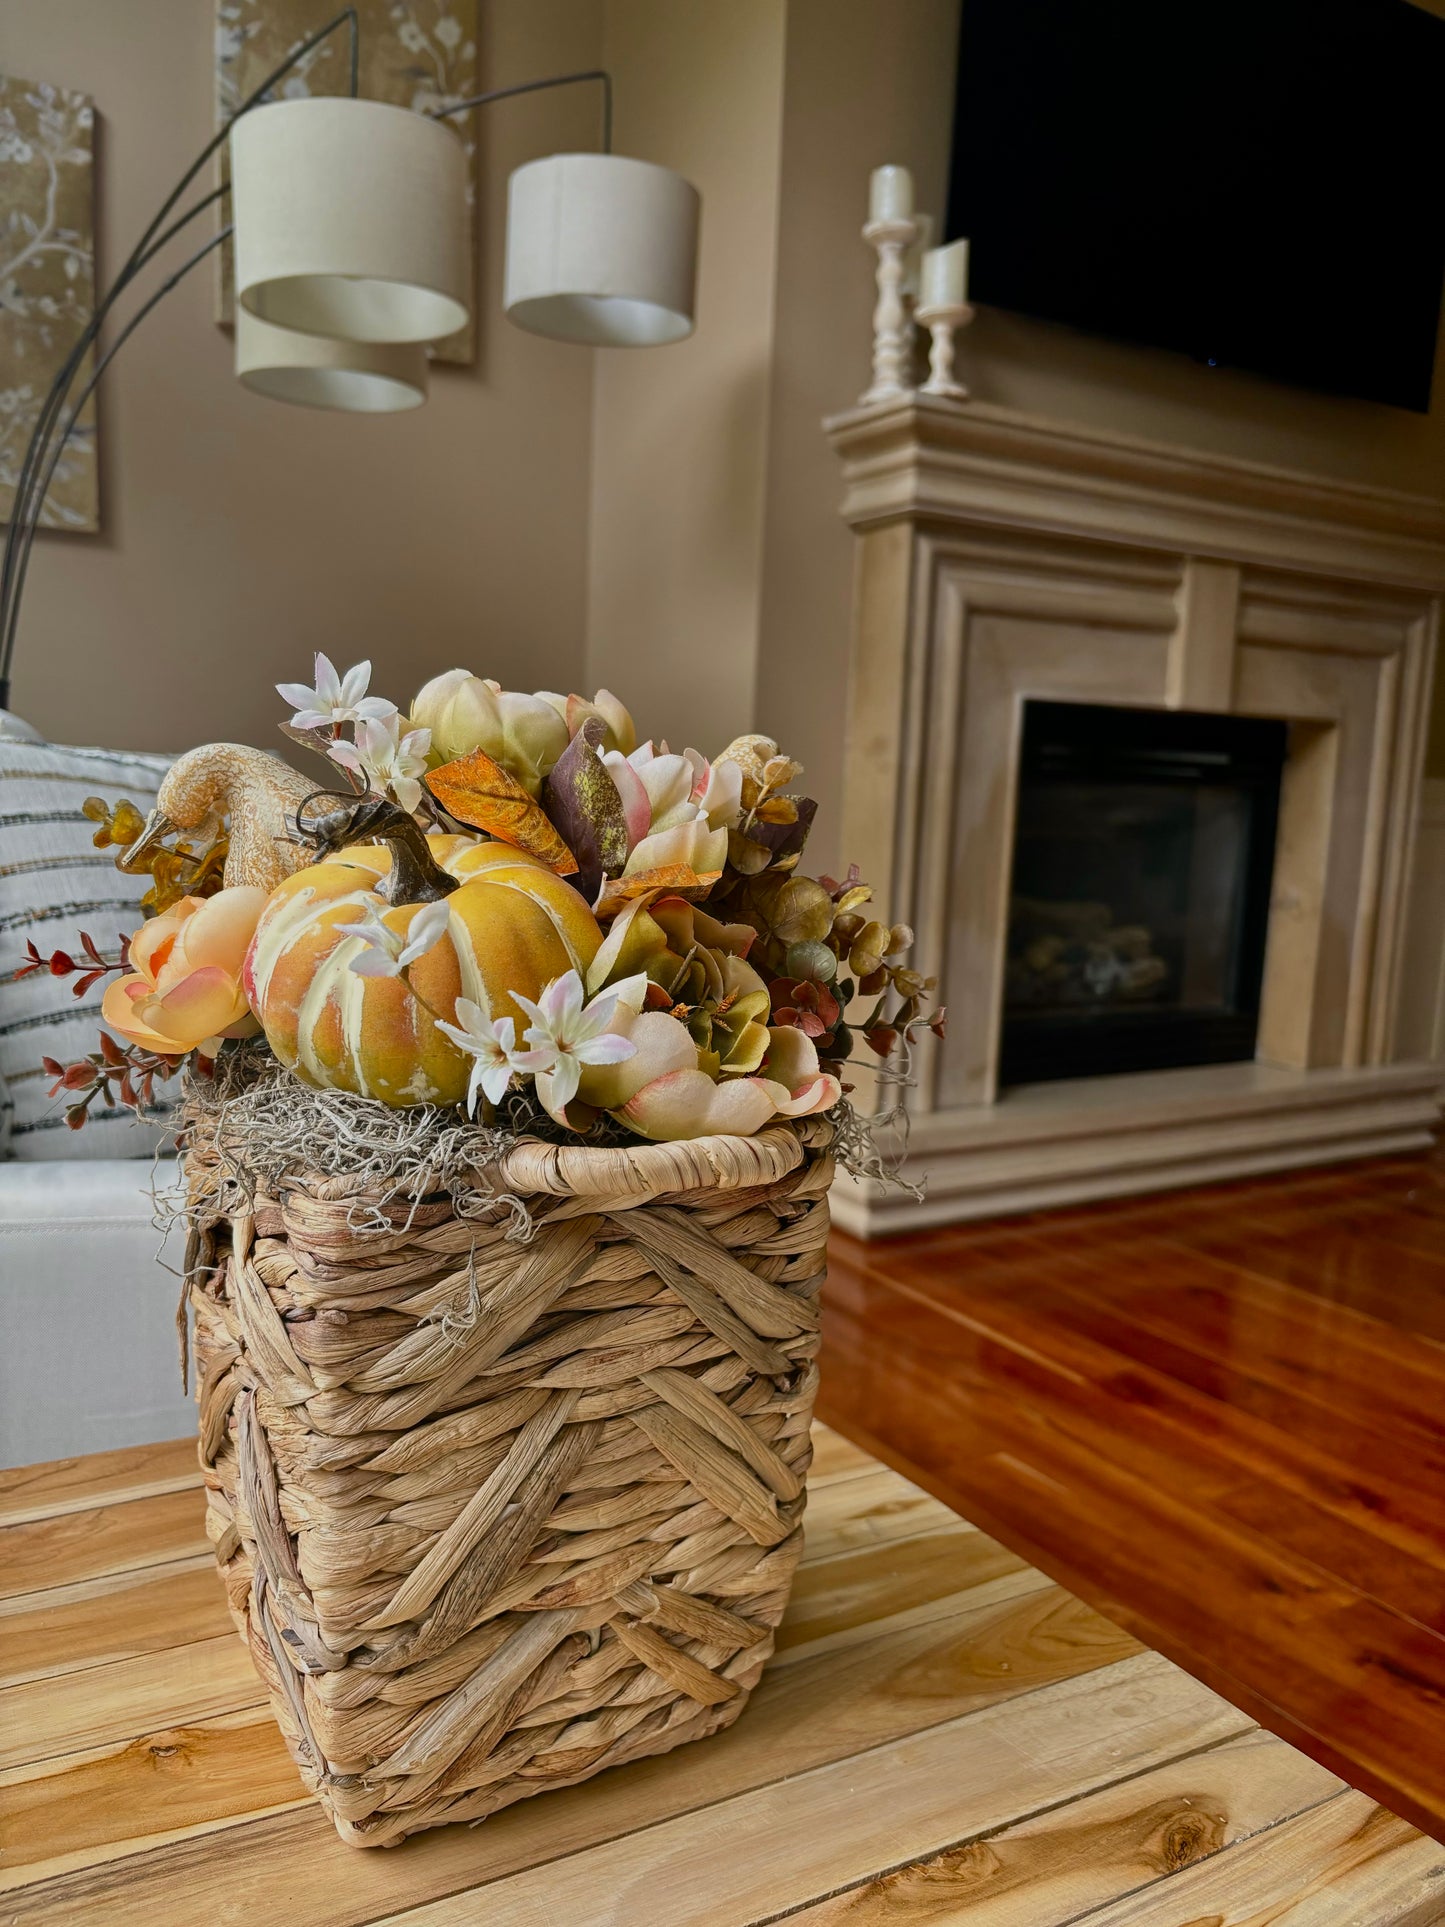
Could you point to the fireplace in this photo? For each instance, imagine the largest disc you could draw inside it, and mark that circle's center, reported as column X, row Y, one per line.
column 1143, row 850
column 1135, row 744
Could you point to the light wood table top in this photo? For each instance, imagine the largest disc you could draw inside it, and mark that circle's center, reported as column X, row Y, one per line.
column 944, row 1735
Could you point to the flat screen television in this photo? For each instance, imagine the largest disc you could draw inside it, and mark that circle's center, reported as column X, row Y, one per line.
column 1255, row 183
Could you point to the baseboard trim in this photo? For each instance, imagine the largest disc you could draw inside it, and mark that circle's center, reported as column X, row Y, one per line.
column 1060, row 1144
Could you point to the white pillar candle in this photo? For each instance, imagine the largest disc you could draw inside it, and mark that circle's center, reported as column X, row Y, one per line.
column 890, row 194
column 945, row 277
column 913, row 259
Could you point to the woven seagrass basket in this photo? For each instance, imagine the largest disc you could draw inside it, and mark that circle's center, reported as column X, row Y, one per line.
column 494, row 1514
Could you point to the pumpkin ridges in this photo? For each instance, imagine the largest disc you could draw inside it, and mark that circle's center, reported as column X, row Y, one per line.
column 520, row 946
column 293, row 939
column 513, row 925
column 572, row 921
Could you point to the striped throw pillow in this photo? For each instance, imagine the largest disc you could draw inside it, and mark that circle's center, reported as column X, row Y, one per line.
column 54, row 883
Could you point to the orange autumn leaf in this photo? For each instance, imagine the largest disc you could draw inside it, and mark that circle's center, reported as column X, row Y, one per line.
column 477, row 791
column 676, row 879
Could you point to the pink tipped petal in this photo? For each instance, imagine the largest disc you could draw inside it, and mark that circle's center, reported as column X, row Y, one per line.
column 561, row 1000
column 636, row 810
column 660, row 1045
column 687, row 1104
column 821, row 1095
column 532, row 1060
column 595, row 1020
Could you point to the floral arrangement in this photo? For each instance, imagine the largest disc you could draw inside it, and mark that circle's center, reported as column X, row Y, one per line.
column 512, row 906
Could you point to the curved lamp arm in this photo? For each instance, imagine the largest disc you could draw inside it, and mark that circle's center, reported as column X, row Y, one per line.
column 44, row 448
column 537, row 87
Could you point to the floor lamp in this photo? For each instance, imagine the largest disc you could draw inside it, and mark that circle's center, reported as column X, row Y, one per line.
column 351, row 252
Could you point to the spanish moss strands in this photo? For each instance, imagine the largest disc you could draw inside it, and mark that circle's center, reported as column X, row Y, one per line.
column 264, row 1127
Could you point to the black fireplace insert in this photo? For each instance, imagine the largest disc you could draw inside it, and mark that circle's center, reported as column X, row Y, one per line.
column 1143, row 853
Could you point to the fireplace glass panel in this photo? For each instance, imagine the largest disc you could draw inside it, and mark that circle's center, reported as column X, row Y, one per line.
column 1144, row 845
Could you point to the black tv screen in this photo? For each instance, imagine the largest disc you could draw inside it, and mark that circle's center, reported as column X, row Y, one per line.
column 1255, row 183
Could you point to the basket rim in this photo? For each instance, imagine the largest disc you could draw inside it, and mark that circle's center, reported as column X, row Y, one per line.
column 647, row 1169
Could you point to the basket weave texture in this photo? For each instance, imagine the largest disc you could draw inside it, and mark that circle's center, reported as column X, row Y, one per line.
column 496, row 1514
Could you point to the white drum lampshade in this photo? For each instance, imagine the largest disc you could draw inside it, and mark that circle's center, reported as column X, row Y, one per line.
column 601, row 249
column 350, row 220
column 358, row 377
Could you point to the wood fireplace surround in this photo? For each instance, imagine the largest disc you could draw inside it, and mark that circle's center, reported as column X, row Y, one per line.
column 1002, row 558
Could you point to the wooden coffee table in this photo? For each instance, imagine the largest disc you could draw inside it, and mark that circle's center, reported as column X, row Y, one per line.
column 944, row 1735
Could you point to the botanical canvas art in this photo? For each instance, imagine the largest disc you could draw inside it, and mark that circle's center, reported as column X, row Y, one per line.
column 414, row 53
column 47, row 283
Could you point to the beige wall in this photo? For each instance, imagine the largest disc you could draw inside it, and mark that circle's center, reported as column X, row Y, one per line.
column 241, row 534
column 680, row 434
column 858, row 92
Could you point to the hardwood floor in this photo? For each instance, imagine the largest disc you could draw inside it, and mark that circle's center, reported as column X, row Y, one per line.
column 1217, row 1415
column 943, row 1735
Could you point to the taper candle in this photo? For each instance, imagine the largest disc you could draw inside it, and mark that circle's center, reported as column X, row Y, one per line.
column 890, row 194
column 945, row 277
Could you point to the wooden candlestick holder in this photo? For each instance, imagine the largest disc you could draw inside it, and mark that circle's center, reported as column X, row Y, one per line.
column 892, row 329
column 942, row 322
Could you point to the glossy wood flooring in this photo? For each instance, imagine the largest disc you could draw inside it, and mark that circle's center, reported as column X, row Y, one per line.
column 942, row 1736
column 1217, row 1415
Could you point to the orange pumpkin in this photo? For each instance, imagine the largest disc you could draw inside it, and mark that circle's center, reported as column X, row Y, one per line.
column 513, row 926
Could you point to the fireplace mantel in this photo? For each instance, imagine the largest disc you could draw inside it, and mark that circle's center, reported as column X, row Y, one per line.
column 1002, row 557
column 929, row 458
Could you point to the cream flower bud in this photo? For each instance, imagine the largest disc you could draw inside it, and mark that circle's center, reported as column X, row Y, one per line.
column 523, row 734
column 612, row 714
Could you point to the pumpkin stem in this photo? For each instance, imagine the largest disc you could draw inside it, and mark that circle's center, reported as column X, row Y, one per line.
column 415, row 875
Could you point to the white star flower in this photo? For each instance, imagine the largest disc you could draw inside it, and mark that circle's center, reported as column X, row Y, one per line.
column 565, row 1034
column 388, row 952
column 390, row 762
column 335, row 699
column 492, row 1047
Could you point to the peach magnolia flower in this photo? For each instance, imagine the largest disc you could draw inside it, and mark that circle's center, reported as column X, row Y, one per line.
column 186, row 991
column 661, row 1091
column 678, row 809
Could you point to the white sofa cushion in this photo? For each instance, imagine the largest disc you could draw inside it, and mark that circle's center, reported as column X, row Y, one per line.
column 54, row 883
column 87, row 1313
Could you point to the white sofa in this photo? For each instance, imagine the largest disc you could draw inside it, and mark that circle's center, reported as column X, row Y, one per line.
column 88, row 1356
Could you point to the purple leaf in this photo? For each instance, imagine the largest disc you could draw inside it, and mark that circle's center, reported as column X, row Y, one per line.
column 582, row 802
column 786, row 839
